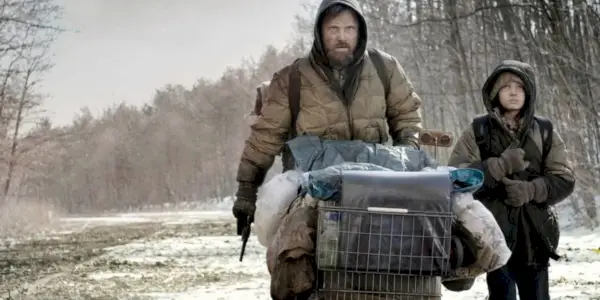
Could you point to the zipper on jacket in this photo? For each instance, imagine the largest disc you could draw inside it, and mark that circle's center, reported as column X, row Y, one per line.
column 346, row 102
column 350, row 122
column 337, row 87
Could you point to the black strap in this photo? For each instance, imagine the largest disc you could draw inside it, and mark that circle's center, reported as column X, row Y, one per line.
column 294, row 82
column 377, row 60
column 294, row 96
column 480, row 130
column 546, row 130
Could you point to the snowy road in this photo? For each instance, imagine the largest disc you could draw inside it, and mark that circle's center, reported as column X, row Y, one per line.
column 195, row 256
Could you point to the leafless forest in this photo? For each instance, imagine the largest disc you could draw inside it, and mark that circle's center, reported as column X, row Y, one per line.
column 185, row 145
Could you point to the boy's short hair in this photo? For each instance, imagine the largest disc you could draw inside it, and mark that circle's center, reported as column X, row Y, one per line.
column 503, row 80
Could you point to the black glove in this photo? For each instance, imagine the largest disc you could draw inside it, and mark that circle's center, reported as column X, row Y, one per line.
column 463, row 246
column 459, row 285
column 510, row 161
column 244, row 205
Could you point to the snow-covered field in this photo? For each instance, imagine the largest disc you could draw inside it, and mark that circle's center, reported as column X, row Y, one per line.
column 194, row 255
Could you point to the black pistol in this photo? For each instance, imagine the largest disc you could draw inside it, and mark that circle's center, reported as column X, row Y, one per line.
column 245, row 236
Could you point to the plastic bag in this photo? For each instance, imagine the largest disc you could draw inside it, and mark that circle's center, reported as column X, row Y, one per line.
column 274, row 199
column 464, row 180
column 326, row 184
column 312, row 153
column 493, row 251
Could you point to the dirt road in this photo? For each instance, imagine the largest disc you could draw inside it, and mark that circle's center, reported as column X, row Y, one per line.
column 160, row 256
column 88, row 261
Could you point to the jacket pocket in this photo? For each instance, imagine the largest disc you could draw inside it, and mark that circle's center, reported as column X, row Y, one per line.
column 544, row 222
column 551, row 229
column 372, row 134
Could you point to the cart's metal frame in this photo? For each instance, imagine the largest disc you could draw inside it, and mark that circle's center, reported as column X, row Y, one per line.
column 414, row 282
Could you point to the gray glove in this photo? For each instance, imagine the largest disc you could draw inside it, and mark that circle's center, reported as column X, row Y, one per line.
column 510, row 161
column 519, row 193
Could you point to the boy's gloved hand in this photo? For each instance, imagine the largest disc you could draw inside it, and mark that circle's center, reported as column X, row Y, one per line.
column 510, row 161
column 519, row 193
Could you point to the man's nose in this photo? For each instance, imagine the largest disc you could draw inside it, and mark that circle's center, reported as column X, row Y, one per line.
column 343, row 36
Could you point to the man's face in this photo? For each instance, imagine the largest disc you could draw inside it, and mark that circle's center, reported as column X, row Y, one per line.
column 340, row 36
column 512, row 96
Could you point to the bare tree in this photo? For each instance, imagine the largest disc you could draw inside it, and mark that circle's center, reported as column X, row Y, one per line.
column 185, row 144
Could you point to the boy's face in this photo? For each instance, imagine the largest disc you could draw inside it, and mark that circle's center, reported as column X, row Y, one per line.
column 512, row 95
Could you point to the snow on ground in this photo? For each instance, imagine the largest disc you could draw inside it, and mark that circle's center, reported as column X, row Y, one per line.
column 195, row 255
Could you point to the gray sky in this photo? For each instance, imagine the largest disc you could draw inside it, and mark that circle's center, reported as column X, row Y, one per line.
column 124, row 50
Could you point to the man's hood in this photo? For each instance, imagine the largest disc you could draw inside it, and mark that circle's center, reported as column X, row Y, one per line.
column 318, row 50
column 525, row 72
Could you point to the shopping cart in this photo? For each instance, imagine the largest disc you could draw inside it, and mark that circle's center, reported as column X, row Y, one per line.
column 389, row 237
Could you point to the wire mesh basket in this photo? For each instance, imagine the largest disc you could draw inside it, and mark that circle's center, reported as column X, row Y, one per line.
column 335, row 285
column 386, row 251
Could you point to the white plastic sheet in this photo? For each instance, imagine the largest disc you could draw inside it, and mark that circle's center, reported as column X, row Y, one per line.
column 493, row 253
column 274, row 199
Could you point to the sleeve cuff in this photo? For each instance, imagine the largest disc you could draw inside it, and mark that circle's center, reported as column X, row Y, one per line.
column 540, row 194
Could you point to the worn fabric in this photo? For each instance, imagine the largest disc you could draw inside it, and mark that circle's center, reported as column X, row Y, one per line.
column 290, row 257
column 532, row 229
column 326, row 111
column 532, row 283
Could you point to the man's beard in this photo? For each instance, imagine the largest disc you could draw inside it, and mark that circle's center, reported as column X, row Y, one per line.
column 340, row 62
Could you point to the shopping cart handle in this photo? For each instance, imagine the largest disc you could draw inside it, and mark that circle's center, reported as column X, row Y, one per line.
column 388, row 210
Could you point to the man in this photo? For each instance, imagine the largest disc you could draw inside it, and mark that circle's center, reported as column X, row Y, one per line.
column 343, row 96
column 526, row 172
column 341, row 99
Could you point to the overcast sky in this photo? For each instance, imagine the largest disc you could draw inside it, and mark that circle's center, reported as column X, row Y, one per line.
column 122, row 50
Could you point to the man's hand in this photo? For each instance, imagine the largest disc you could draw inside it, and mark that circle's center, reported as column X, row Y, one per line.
column 518, row 192
column 244, row 205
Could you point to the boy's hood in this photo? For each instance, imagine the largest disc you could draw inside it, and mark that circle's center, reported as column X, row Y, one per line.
column 526, row 73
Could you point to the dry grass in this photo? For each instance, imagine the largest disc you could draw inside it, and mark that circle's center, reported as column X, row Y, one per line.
column 26, row 216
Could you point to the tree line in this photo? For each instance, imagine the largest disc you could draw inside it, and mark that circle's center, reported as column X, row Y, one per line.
column 185, row 144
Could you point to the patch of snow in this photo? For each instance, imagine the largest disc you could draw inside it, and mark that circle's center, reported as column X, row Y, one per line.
column 577, row 277
column 216, row 255
column 248, row 289
column 180, row 217
column 192, row 266
column 104, row 220
column 110, row 275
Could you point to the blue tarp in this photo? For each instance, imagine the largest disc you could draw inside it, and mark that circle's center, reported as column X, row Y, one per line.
column 313, row 153
column 466, row 180
column 326, row 184
column 323, row 162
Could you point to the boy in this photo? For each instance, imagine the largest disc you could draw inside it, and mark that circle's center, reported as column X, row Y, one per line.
column 526, row 172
